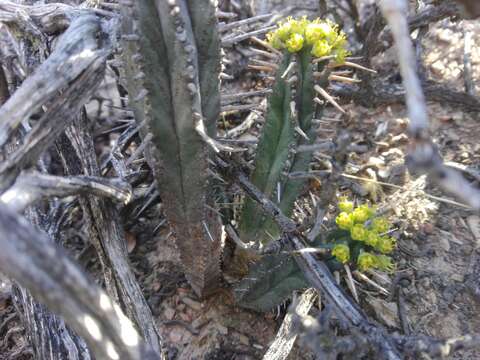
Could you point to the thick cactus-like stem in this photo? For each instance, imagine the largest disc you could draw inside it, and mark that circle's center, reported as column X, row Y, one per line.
column 288, row 124
column 204, row 25
column 270, row 282
column 175, row 45
column 272, row 152
column 306, row 108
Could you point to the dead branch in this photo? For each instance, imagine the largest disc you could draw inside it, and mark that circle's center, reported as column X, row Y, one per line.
column 48, row 333
column 32, row 187
column 10, row 56
column 48, row 18
column 318, row 334
column 77, row 151
column 83, row 46
column 423, row 155
column 283, row 343
column 4, row 92
column 80, row 53
column 49, row 336
column 380, row 93
column 431, row 14
column 42, row 267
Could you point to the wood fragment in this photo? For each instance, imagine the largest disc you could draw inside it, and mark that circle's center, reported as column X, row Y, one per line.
column 328, row 97
column 283, row 343
column 78, row 49
column 33, row 186
column 344, row 79
column 107, row 234
column 351, row 283
column 353, row 65
column 43, row 267
column 423, row 154
column 266, row 45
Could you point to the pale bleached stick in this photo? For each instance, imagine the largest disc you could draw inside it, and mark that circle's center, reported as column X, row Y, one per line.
column 327, row 97
column 423, row 155
column 283, row 343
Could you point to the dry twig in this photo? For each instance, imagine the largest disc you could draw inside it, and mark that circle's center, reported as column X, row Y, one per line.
column 423, row 155
column 38, row 264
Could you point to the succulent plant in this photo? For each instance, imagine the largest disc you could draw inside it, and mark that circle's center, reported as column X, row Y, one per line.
column 288, row 121
column 273, row 278
column 171, row 59
column 171, row 65
column 306, row 49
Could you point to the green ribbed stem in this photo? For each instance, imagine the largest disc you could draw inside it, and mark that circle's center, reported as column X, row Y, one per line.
column 171, row 74
column 276, row 155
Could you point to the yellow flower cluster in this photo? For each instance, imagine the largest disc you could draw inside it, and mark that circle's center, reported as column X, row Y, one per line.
column 367, row 261
column 351, row 216
column 341, row 253
column 345, row 205
column 344, row 221
column 321, row 36
column 364, row 227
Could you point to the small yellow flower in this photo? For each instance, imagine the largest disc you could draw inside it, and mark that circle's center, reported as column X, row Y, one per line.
column 285, row 30
column 362, row 214
column 366, row 261
column 345, row 205
column 339, row 41
column 380, row 225
column 341, row 253
column 321, row 48
column 372, row 239
column 295, row 43
column 385, row 263
column 299, row 26
column 385, row 244
column 358, row 232
column 340, row 55
column 317, row 31
column 274, row 40
column 344, row 221
column 323, row 37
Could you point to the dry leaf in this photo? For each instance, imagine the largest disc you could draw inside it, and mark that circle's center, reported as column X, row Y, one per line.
column 131, row 241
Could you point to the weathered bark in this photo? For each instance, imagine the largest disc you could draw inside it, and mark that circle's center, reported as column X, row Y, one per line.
column 76, row 67
column 80, row 47
column 106, row 233
column 77, row 63
column 286, row 336
column 32, row 187
column 4, row 93
column 43, row 268
column 49, row 336
column 48, row 18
